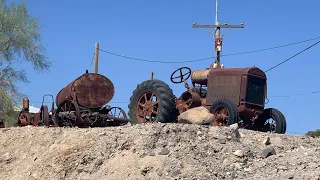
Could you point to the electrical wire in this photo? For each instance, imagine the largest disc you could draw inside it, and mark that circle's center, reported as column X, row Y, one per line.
column 154, row 61
column 212, row 57
column 92, row 59
column 276, row 47
column 292, row 56
column 303, row 94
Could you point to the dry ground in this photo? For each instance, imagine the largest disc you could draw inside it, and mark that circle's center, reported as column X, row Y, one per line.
column 155, row 151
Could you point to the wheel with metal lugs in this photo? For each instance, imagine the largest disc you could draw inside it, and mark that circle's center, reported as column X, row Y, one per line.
column 279, row 124
column 225, row 111
column 152, row 101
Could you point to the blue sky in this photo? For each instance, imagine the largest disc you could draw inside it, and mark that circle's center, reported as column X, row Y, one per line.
column 162, row 30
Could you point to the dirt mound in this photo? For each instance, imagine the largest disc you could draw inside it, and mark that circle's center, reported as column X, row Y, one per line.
column 156, row 151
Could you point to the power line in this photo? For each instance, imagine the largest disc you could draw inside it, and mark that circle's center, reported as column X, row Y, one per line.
column 303, row 94
column 154, row 61
column 212, row 57
column 292, row 56
column 276, row 47
column 92, row 59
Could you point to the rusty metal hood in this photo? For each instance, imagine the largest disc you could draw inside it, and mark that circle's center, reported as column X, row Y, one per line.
column 237, row 72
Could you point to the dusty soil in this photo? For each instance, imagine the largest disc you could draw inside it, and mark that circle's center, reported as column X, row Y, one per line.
column 155, row 151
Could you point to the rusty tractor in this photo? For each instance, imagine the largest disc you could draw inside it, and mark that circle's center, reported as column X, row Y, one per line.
column 41, row 118
column 233, row 95
column 82, row 103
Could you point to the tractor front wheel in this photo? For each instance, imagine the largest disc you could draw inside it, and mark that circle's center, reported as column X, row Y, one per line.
column 278, row 125
column 152, row 101
column 225, row 111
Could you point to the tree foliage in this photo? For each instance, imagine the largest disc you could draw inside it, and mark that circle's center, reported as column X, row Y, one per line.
column 19, row 41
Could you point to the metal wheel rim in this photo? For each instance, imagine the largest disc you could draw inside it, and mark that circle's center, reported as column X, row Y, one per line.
column 69, row 107
column 223, row 113
column 147, row 107
column 113, row 112
column 270, row 125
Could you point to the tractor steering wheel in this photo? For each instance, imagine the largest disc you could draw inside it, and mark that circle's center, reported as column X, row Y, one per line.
column 181, row 76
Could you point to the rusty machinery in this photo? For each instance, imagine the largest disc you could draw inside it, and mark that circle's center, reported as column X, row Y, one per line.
column 41, row 118
column 81, row 103
column 234, row 95
column 25, row 118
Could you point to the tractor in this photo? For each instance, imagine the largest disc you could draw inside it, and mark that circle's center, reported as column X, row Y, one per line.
column 233, row 95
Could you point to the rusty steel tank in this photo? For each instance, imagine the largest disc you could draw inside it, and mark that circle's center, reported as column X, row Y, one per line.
column 91, row 90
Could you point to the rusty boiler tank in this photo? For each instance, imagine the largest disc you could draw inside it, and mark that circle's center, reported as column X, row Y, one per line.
column 91, row 90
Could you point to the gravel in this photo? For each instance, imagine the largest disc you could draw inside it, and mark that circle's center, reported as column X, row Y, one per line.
column 156, row 151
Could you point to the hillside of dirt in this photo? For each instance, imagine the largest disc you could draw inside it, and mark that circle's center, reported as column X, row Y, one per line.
column 156, row 151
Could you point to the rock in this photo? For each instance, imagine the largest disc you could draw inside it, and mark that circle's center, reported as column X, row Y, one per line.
column 267, row 141
column 239, row 153
column 146, row 170
column 268, row 152
column 198, row 115
column 233, row 133
column 164, row 151
column 222, row 140
column 234, row 126
column 237, row 166
column 282, row 168
column 175, row 173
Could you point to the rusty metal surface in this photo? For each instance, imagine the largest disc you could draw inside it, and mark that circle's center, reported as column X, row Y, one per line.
column 248, row 113
column 223, row 87
column 44, row 115
column 24, row 118
column 25, row 104
column 237, row 72
column 90, row 90
column 200, row 76
column 147, row 107
column 190, row 100
column 233, row 84
column 36, row 119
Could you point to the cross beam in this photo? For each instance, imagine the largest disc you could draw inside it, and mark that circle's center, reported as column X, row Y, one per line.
column 195, row 25
column 218, row 39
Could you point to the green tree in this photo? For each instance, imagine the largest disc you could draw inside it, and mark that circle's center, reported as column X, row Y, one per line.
column 19, row 41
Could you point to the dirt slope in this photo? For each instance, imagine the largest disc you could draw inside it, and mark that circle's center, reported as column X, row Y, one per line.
column 155, row 151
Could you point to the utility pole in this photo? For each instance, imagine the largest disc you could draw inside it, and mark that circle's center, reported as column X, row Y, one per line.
column 218, row 38
column 96, row 55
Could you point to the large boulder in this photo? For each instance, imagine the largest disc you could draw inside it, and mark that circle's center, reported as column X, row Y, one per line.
column 198, row 115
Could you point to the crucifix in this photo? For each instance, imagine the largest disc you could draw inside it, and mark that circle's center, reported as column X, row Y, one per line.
column 217, row 36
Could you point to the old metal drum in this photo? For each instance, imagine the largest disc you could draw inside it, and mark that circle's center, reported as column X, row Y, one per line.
column 200, row 76
column 89, row 90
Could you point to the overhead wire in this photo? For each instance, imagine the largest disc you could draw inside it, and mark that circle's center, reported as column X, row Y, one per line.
column 202, row 59
column 292, row 56
column 155, row 61
column 92, row 59
column 276, row 47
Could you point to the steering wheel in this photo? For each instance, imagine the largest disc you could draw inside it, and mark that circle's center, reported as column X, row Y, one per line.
column 181, row 76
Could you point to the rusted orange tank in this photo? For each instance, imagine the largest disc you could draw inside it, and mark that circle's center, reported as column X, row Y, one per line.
column 200, row 76
column 90, row 90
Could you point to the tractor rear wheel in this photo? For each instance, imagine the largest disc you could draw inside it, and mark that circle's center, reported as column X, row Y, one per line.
column 225, row 111
column 152, row 101
column 279, row 125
